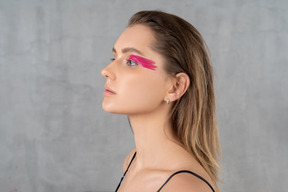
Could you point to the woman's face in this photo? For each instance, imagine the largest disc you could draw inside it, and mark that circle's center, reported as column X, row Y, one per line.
column 135, row 79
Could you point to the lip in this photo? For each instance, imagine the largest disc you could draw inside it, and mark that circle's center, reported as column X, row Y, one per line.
column 108, row 91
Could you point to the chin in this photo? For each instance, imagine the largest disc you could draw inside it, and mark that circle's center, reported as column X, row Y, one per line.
column 107, row 108
column 111, row 109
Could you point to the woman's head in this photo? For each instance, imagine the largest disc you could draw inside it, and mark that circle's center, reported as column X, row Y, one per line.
column 192, row 115
column 136, row 75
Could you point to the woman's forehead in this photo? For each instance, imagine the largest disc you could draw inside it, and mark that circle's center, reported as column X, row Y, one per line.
column 139, row 37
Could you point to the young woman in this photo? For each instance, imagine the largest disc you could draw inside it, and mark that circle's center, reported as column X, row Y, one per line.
column 162, row 79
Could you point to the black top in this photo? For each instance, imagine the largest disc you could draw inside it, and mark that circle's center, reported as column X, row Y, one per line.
column 182, row 171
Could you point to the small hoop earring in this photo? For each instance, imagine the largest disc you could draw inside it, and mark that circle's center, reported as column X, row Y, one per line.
column 167, row 100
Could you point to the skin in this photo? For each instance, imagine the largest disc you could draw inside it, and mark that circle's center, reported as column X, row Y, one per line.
column 141, row 94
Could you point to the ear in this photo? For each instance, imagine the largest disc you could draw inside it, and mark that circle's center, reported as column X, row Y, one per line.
column 180, row 84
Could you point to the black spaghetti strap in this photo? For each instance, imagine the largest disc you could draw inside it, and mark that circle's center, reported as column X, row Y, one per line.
column 122, row 178
column 182, row 171
column 186, row 171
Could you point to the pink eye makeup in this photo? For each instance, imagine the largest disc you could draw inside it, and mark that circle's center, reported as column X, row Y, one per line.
column 147, row 63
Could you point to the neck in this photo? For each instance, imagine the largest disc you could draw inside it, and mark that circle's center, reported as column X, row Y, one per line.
column 153, row 138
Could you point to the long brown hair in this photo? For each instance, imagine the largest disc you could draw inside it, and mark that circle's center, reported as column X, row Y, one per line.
column 193, row 115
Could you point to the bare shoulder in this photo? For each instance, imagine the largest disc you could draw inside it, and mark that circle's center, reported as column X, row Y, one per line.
column 186, row 182
column 128, row 159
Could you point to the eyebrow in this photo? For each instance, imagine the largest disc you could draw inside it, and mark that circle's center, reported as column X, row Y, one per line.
column 128, row 49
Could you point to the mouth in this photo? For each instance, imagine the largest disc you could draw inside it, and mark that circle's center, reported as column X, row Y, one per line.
column 108, row 91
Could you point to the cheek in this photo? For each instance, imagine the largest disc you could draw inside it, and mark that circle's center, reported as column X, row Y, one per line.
column 143, row 91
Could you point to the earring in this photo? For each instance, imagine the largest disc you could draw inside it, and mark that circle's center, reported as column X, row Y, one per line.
column 167, row 100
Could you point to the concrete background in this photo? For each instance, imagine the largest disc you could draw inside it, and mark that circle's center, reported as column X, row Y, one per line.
column 54, row 135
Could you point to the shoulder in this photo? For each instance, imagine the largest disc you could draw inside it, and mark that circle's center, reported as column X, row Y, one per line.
column 186, row 182
column 128, row 159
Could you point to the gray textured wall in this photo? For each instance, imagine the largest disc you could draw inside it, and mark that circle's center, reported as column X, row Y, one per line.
column 54, row 135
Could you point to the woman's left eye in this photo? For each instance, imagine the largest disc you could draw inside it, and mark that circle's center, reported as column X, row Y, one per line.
column 131, row 62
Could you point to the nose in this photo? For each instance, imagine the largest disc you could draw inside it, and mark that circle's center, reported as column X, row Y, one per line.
column 108, row 73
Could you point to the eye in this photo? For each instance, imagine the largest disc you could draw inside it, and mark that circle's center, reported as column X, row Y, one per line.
column 112, row 59
column 131, row 62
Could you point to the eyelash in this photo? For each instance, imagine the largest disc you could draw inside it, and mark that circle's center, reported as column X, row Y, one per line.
column 129, row 62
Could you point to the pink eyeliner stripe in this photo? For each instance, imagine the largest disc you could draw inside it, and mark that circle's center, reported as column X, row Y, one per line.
column 147, row 63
